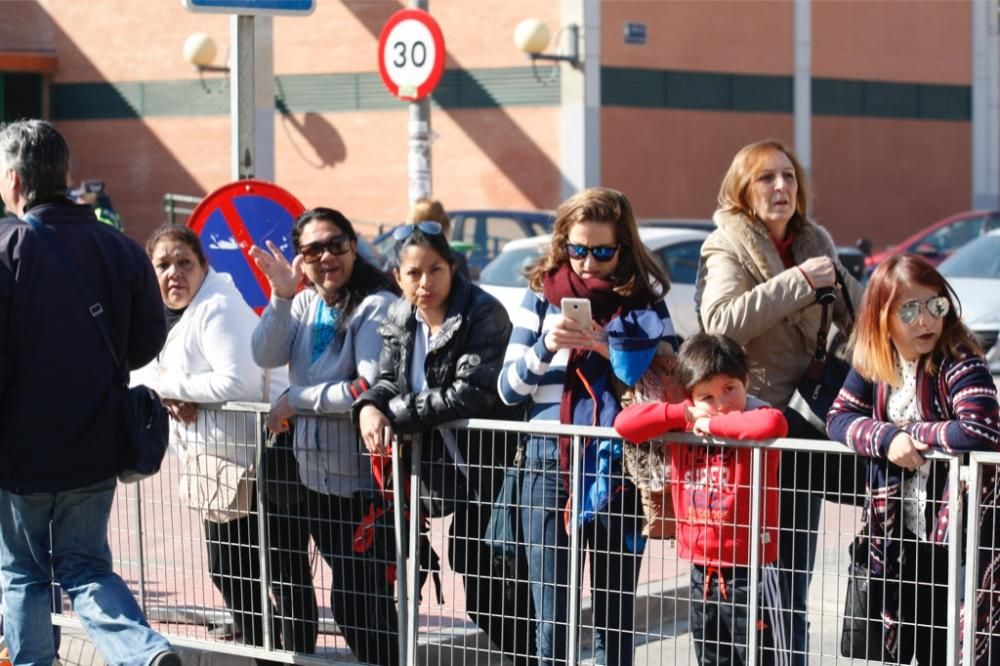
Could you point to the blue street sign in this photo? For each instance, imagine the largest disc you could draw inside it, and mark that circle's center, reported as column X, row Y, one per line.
column 235, row 217
column 252, row 7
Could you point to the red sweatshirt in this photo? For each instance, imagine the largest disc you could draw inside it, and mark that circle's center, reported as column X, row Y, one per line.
column 710, row 485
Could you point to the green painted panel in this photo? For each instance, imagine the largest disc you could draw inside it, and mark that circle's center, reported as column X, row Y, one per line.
column 624, row 86
column 704, row 91
column 887, row 99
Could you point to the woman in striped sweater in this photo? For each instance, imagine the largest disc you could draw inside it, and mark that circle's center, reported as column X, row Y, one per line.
column 919, row 383
column 563, row 369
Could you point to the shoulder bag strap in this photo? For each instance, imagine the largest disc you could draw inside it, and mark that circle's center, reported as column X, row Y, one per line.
column 77, row 276
column 826, row 318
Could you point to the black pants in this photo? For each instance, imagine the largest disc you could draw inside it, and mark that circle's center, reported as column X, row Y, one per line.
column 361, row 595
column 501, row 608
column 291, row 579
column 234, row 564
column 923, row 603
column 720, row 603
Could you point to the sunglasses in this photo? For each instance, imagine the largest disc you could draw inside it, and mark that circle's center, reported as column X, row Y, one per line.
column 337, row 245
column 401, row 233
column 599, row 253
column 937, row 307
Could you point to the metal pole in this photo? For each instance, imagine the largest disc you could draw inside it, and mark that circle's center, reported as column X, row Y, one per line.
column 141, row 583
column 264, row 541
column 419, row 158
column 413, row 554
column 971, row 559
column 802, row 83
column 242, row 97
column 402, row 590
column 575, row 553
column 756, row 497
column 985, row 105
column 955, row 522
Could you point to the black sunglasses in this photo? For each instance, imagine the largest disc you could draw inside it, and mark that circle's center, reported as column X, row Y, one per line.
column 429, row 227
column 600, row 253
column 337, row 245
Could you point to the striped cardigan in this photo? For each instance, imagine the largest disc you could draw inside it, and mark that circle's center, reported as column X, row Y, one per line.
column 959, row 413
column 532, row 372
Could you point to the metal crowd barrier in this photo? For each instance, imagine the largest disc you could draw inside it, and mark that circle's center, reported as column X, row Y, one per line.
column 159, row 545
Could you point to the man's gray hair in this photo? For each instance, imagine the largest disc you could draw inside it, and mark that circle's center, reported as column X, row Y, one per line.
column 38, row 154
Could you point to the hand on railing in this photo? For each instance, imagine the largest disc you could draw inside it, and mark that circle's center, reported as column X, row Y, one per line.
column 906, row 451
column 277, row 417
column 376, row 430
column 185, row 412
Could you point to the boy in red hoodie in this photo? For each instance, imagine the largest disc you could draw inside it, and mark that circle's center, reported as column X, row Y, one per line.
column 710, row 487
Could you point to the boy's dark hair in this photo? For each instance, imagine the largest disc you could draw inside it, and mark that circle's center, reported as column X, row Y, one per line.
column 705, row 355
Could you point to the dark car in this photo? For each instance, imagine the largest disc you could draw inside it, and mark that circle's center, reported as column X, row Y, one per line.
column 481, row 234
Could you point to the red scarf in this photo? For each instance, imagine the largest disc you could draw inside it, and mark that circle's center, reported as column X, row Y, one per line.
column 605, row 304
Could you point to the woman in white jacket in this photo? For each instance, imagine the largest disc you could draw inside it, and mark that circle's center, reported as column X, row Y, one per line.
column 206, row 361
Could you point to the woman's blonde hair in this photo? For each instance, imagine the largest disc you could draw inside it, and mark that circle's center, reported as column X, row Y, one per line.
column 637, row 272
column 429, row 210
column 874, row 355
column 743, row 169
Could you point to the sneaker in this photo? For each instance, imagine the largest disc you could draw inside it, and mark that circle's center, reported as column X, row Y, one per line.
column 169, row 658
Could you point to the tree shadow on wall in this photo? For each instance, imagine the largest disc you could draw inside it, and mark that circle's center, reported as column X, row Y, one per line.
column 313, row 138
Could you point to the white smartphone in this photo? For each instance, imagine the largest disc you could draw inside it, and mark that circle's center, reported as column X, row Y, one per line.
column 577, row 309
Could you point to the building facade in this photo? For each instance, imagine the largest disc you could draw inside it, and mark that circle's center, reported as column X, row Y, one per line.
column 682, row 85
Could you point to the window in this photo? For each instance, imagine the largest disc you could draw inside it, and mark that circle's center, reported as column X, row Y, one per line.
column 681, row 261
column 20, row 96
column 950, row 237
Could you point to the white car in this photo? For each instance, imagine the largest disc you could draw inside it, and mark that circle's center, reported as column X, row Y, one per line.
column 974, row 273
column 677, row 249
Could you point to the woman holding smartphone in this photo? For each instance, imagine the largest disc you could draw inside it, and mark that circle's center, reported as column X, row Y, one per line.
column 561, row 365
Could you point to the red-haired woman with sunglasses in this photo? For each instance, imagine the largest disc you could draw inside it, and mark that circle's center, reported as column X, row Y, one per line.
column 562, row 370
column 328, row 336
column 919, row 383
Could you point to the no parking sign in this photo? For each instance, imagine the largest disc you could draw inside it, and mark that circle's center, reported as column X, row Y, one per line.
column 237, row 216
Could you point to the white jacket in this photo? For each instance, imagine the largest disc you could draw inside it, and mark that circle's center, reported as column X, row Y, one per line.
column 207, row 361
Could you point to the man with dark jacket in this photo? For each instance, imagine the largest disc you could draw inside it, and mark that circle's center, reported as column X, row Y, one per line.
column 60, row 404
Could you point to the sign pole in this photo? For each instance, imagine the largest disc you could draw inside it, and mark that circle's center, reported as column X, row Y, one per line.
column 241, row 99
column 419, row 141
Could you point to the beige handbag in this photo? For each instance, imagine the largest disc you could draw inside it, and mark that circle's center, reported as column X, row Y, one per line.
column 221, row 490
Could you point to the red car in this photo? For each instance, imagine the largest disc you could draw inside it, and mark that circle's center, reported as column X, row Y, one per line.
column 940, row 239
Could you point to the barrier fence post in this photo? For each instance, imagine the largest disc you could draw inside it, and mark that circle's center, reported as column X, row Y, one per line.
column 140, row 553
column 756, row 478
column 413, row 554
column 264, row 540
column 575, row 554
column 973, row 478
column 955, row 523
column 400, row 540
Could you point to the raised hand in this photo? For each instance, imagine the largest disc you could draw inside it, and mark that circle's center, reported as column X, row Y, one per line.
column 283, row 276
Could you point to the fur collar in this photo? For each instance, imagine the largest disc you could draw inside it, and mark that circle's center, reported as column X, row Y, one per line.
column 758, row 254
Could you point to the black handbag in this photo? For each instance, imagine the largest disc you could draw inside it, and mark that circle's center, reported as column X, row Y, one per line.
column 501, row 533
column 145, row 421
column 282, row 486
column 861, row 636
column 839, row 477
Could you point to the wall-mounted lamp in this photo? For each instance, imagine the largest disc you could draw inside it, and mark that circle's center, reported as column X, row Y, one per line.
column 200, row 50
column 532, row 37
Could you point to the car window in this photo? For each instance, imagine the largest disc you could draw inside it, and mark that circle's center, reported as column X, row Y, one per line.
column 979, row 259
column 507, row 270
column 992, row 222
column 681, row 261
column 952, row 236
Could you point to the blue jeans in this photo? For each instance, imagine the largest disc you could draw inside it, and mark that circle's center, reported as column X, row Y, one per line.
column 799, row 535
column 614, row 572
column 81, row 559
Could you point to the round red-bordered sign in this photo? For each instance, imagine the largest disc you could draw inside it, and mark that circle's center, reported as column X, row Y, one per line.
column 411, row 54
column 237, row 216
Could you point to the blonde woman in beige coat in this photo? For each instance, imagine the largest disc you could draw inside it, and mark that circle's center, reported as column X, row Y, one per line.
column 757, row 283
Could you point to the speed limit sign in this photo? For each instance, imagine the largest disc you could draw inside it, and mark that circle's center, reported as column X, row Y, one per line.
column 411, row 54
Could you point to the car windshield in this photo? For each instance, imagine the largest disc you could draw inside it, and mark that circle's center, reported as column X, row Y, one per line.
column 507, row 270
column 978, row 259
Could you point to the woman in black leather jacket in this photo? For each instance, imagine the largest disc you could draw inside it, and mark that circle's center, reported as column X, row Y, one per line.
column 443, row 348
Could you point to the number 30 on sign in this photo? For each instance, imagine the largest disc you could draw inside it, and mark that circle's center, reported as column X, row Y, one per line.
column 411, row 54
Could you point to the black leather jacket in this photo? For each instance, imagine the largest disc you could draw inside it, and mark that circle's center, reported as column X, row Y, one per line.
column 462, row 365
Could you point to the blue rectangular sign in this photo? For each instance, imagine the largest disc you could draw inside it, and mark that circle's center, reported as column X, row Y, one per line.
column 252, row 7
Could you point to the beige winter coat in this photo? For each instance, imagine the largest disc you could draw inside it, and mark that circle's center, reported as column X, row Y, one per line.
column 745, row 292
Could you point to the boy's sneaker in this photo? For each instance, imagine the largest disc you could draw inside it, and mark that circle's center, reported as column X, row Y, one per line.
column 166, row 659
